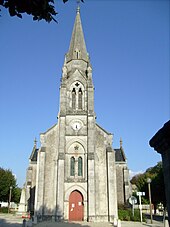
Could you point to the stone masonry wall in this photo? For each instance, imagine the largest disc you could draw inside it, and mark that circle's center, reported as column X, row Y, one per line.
column 101, row 176
column 120, row 184
column 49, row 176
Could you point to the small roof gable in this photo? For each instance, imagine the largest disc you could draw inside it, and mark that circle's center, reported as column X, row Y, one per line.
column 120, row 155
column 33, row 156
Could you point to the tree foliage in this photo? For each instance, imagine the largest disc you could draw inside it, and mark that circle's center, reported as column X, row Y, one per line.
column 39, row 9
column 157, row 184
column 8, row 180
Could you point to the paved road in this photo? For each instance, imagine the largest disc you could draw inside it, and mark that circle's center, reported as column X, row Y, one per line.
column 87, row 224
column 138, row 224
column 75, row 224
column 8, row 220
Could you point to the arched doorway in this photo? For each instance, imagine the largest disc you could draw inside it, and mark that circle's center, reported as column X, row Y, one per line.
column 76, row 207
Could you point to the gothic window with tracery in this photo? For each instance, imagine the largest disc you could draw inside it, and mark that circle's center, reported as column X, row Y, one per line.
column 80, row 166
column 74, row 98
column 80, row 99
column 77, row 96
column 72, row 166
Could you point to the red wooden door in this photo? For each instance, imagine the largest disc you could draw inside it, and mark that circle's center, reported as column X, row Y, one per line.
column 76, row 208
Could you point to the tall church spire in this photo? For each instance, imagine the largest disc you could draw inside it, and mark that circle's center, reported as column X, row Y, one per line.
column 77, row 49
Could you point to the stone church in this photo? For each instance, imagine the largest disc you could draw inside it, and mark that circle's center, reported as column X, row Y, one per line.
column 76, row 174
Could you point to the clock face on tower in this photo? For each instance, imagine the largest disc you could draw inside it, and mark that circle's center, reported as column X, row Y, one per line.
column 76, row 125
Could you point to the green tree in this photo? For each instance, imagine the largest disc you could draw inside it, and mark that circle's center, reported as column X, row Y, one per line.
column 38, row 9
column 157, row 184
column 16, row 195
column 7, row 180
column 139, row 180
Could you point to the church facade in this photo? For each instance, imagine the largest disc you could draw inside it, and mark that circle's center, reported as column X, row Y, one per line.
column 76, row 174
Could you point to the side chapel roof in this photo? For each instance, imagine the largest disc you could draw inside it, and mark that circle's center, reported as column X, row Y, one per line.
column 119, row 154
column 33, row 156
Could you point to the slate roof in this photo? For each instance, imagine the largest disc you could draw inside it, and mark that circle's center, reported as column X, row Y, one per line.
column 33, row 156
column 120, row 155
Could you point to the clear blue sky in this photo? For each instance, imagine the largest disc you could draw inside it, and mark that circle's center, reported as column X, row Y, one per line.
column 128, row 42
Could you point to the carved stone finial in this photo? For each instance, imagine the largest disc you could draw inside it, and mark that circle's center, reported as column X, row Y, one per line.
column 35, row 142
column 64, row 70
column 78, row 6
column 121, row 142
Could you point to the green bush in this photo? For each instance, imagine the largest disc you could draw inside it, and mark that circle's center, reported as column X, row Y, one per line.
column 136, row 216
column 3, row 209
column 125, row 214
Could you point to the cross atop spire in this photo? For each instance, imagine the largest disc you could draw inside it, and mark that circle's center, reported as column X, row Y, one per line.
column 78, row 6
column 78, row 9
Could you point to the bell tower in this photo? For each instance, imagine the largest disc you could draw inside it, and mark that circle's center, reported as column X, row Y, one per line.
column 76, row 90
column 76, row 121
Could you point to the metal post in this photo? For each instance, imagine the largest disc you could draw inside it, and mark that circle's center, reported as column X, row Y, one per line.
column 133, row 207
column 140, row 207
column 9, row 198
column 140, row 203
column 149, row 189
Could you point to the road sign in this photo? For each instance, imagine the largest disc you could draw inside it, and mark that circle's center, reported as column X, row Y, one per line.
column 132, row 200
column 140, row 193
column 140, row 204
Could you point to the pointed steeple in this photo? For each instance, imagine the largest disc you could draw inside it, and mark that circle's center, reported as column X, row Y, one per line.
column 77, row 49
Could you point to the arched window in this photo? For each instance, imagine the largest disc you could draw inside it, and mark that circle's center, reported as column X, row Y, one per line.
column 80, row 166
column 74, row 98
column 77, row 53
column 80, row 99
column 72, row 166
column 77, row 96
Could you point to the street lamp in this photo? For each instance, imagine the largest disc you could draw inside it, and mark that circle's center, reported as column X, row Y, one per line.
column 149, row 189
column 9, row 197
